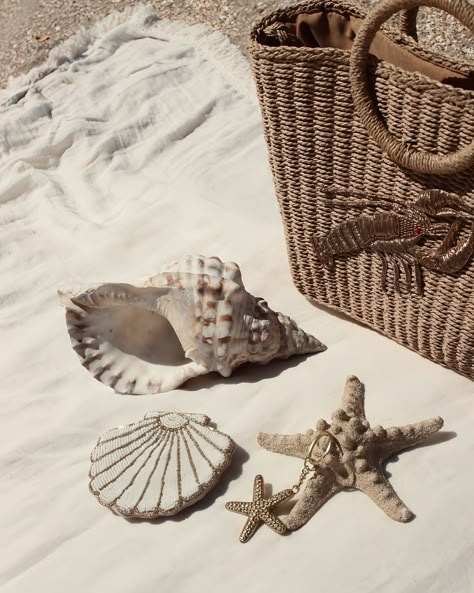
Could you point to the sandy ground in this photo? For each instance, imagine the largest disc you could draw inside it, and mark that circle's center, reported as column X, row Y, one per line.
column 30, row 28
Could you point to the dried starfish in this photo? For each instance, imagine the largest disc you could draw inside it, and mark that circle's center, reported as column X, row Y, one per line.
column 359, row 461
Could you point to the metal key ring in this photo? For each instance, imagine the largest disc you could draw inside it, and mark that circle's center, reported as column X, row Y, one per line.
column 332, row 440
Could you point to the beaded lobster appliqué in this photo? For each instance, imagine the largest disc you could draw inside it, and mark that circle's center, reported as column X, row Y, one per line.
column 397, row 236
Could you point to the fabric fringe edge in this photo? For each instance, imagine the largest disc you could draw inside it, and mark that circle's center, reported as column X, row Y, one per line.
column 213, row 46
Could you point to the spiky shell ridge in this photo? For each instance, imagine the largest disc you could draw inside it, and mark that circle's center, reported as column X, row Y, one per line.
column 231, row 326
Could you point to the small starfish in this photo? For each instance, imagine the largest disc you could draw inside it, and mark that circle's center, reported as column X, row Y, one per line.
column 359, row 462
column 258, row 511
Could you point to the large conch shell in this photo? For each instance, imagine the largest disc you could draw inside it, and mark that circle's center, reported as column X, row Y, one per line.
column 193, row 318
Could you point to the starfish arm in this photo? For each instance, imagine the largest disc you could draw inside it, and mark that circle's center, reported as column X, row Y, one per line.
column 379, row 489
column 353, row 397
column 249, row 529
column 273, row 522
column 399, row 438
column 318, row 491
column 295, row 445
column 280, row 497
column 243, row 508
column 258, row 487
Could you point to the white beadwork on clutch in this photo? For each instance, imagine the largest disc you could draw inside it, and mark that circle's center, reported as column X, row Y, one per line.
column 159, row 465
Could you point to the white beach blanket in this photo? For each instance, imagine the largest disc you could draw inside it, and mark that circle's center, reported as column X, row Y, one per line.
column 140, row 141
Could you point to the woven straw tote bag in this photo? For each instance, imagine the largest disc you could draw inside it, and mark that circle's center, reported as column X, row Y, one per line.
column 372, row 156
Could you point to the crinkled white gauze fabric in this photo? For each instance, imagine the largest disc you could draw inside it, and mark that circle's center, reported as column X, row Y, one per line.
column 140, row 141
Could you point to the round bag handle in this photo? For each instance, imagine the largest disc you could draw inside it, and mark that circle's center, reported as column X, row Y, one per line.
column 408, row 22
column 402, row 153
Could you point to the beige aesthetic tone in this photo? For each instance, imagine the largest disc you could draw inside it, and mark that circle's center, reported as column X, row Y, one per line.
column 355, row 142
column 260, row 510
column 113, row 162
column 158, row 466
column 192, row 318
column 357, row 461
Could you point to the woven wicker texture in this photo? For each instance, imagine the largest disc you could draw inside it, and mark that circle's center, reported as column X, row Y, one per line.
column 327, row 169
